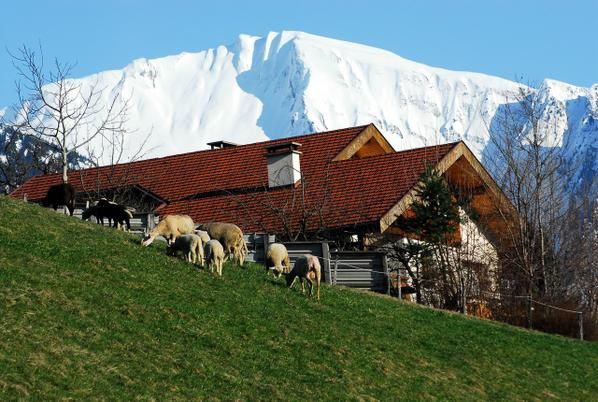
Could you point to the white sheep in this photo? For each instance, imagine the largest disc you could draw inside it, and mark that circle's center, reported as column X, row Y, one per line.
column 171, row 227
column 306, row 267
column 214, row 255
column 277, row 259
column 190, row 245
column 205, row 237
column 230, row 237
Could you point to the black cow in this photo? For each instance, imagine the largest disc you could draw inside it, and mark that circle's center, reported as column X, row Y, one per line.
column 61, row 194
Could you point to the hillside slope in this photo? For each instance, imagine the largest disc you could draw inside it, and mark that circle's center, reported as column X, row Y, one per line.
column 85, row 312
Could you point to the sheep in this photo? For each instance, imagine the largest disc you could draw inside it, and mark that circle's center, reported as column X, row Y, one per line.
column 214, row 255
column 61, row 194
column 230, row 237
column 171, row 227
column 191, row 246
column 205, row 237
column 240, row 250
column 277, row 259
column 306, row 267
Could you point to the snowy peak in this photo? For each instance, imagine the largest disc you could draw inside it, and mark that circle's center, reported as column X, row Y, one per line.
column 290, row 83
column 561, row 90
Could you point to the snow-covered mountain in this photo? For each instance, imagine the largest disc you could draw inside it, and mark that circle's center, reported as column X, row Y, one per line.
column 293, row 83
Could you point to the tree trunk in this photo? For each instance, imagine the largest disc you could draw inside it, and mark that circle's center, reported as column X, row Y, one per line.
column 416, row 282
column 543, row 262
column 65, row 177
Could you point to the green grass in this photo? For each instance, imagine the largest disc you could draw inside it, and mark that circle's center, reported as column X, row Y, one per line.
column 86, row 312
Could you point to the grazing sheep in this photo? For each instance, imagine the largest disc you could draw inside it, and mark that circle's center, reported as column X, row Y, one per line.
column 240, row 250
column 306, row 267
column 277, row 259
column 171, row 227
column 230, row 237
column 205, row 237
column 190, row 245
column 61, row 194
column 214, row 255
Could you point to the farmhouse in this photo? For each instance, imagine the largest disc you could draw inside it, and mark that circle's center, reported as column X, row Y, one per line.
column 346, row 185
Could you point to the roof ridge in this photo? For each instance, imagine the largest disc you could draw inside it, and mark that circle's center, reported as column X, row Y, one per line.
column 314, row 133
column 453, row 143
column 403, row 151
column 177, row 157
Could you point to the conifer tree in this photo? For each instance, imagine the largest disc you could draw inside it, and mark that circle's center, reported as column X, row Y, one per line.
column 435, row 213
column 429, row 227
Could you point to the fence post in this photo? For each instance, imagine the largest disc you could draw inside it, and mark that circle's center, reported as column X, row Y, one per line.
column 148, row 223
column 387, row 273
column 399, row 290
column 335, row 268
column 580, row 321
column 463, row 299
column 266, row 241
column 326, row 261
column 530, row 309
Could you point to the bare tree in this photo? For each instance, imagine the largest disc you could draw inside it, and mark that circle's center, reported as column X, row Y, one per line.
column 115, row 179
column 531, row 171
column 61, row 111
column 579, row 256
column 298, row 212
column 22, row 157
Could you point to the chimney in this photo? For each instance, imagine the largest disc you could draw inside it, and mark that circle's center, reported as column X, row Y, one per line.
column 284, row 168
column 221, row 145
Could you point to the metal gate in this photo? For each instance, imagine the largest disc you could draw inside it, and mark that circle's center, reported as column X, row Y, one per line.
column 360, row 269
column 257, row 244
column 319, row 249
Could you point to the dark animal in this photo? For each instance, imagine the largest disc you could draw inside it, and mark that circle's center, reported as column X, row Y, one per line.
column 103, row 202
column 97, row 212
column 117, row 214
column 61, row 194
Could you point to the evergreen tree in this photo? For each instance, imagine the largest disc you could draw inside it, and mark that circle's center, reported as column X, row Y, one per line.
column 435, row 213
column 433, row 219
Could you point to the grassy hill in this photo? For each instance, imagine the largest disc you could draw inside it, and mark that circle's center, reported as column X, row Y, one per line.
column 86, row 312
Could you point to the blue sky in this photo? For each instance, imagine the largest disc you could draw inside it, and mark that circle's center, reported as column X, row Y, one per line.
column 533, row 39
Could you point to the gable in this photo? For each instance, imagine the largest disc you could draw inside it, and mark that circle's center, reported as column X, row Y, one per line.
column 465, row 173
column 370, row 142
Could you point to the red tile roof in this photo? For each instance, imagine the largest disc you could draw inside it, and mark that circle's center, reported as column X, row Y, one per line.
column 231, row 184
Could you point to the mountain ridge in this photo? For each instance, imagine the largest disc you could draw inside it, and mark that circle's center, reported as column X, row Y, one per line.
column 291, row 83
